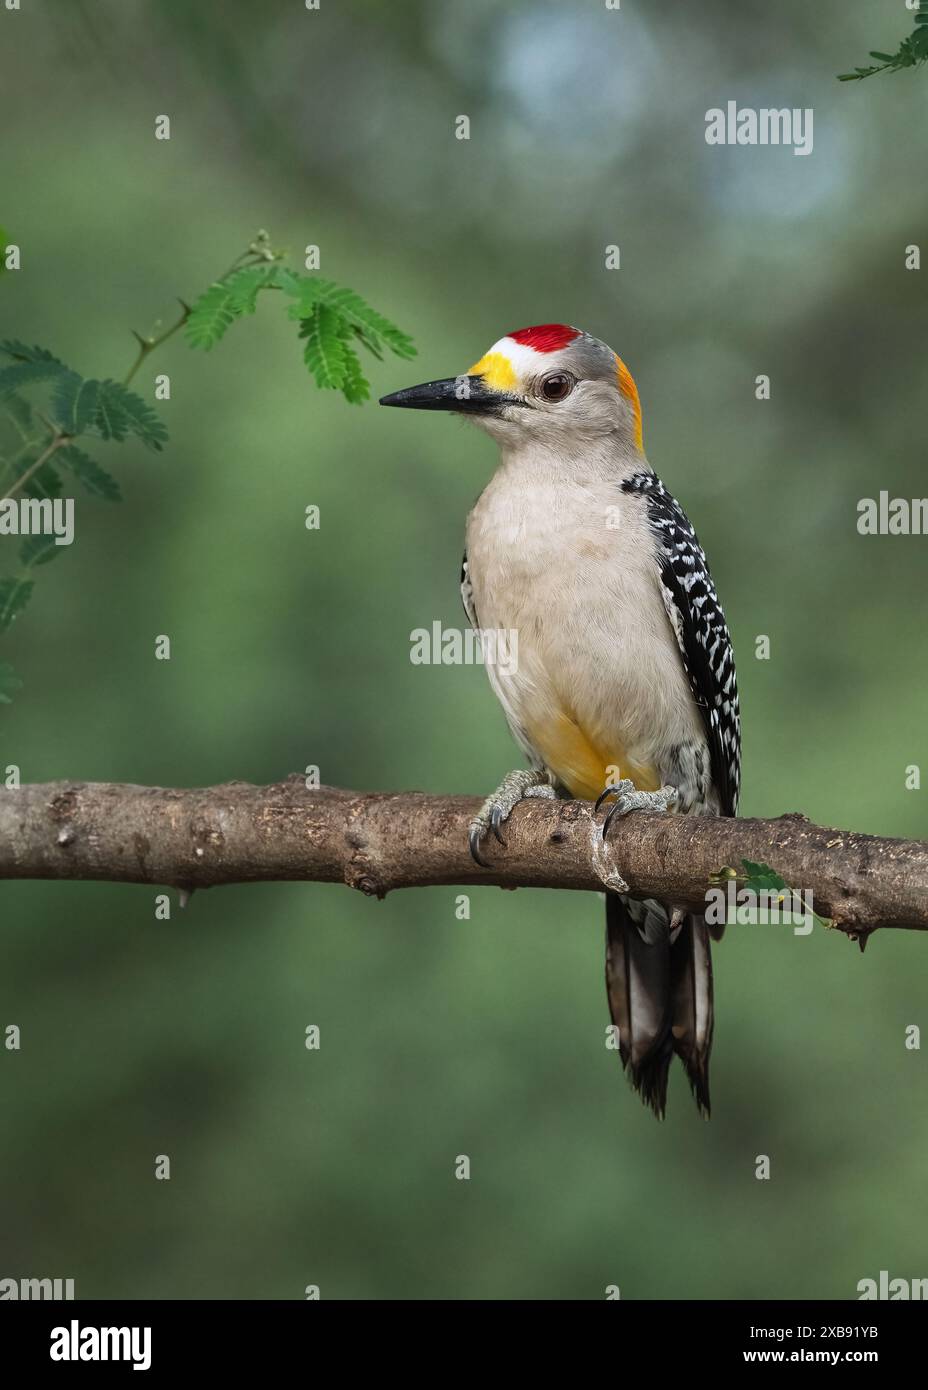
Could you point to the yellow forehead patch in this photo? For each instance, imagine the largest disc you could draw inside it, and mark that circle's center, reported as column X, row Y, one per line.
column 630, row 392
column 497, row 371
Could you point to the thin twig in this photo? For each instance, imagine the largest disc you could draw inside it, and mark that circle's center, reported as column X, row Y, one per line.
column 148, row 345
column 56, row 443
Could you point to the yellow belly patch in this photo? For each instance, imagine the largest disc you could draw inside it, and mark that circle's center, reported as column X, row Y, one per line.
column 582, row 768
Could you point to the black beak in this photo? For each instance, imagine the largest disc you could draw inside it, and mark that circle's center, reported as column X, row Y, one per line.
column 465, row 393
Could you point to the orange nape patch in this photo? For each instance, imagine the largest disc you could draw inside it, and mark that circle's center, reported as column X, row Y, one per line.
column 583, row 769
column 630, row 392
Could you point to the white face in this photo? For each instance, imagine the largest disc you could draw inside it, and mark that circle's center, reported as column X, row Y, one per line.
column 548, row 385
column 555, row 396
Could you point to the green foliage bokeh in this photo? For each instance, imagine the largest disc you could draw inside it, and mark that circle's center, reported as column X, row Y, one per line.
column 290, row 647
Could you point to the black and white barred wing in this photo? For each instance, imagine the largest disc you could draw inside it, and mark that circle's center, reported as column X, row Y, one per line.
column 467, row 595
column 702, row 635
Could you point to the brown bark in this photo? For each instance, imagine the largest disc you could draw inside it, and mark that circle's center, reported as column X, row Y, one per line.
column 377, row 841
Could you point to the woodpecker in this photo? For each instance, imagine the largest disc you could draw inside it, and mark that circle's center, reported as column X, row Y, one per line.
column 624, row 689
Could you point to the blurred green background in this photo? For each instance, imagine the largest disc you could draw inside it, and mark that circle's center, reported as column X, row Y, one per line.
column 291, row 647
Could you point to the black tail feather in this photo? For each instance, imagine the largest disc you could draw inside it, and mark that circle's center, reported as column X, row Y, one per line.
column 691, row 982
column 660, row 996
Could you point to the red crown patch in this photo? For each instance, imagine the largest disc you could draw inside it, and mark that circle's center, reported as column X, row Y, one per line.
column 546, row 337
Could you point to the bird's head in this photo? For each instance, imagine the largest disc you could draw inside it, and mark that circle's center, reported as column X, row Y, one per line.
column 548, row 383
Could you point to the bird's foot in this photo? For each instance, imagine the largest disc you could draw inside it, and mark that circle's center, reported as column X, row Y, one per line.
column 628, row 799
column 496, row 810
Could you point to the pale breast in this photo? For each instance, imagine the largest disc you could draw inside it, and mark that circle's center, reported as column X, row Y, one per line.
column 569, row 568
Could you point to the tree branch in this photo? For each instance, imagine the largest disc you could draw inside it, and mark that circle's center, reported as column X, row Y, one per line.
column 376, row 841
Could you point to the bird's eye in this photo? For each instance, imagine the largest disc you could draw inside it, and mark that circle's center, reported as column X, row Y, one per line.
column 557, row 386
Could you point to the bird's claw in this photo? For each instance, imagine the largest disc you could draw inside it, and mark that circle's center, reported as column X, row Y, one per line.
column 628, row 800
column 614, row 789
column 496, row 820
column 474, row 837
column 497, row 808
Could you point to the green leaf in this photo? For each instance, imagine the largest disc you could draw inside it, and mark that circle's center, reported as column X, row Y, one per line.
column 9, row 681
column 290, row 281
column 325, row 353
column 111, row 421
column 14, row 595
column 120, row 412
column 308, row 291
column 911, row 52
column 74, row 402
column 94, row 478
column 45, row 483
column 38, row 550
column 354, row 311
column 243, row 286
column 21, row 352
column 330, row 317
column 20, row 412
column 210, row 316
column 761, row 878
column 226, row 300
column 354, row 387
column 359, row 313
column 23, row 374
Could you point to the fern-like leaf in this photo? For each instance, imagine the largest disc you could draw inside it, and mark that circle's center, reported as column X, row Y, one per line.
column 21, row 352
column 912, row 51
column 355, row 387
column 111, row 421
column 23, row 374
column 244, row 286
column 356, row 311
column 209, row 317
column 74, row 402
column 325, row 353
column 121, row 412
column 14, row 595
column 38, row 550
column 94, row 478
column 290, row 281
column 332, row 319
column 45, row 483
column 370, row 326
column 225, row 301
column 20, row 412
column 307, row 292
